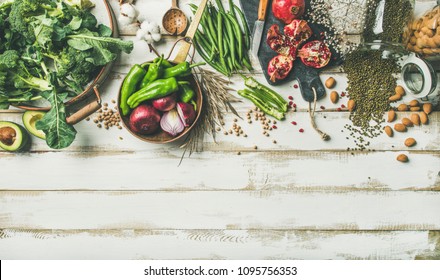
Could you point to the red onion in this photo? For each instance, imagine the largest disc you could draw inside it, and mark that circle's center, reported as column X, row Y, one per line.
column 186, row 112
column 171, row 123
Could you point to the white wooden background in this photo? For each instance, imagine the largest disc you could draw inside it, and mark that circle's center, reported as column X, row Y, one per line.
column 302, row 198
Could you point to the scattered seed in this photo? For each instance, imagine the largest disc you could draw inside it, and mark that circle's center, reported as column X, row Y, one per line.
column 301, row 130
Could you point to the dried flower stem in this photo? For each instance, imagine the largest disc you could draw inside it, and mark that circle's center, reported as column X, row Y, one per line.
column 216, row 101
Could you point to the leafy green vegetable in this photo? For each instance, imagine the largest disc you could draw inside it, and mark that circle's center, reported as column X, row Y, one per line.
column 52, row 49
column 59, row 134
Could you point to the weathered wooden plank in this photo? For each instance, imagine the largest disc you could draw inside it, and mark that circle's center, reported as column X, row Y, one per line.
column 287, row 136
column 217, row 244
column 266, row 209
column 274, row 170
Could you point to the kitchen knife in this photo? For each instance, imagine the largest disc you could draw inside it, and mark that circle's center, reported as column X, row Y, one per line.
column 259, row 27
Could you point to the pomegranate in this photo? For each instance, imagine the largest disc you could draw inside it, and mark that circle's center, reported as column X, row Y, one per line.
column 298, row 31
column 315, row 54
column 280, row 43
column 288, row 10
column 279, row 67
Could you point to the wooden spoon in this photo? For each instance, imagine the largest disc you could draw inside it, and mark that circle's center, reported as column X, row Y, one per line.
column 174, row 21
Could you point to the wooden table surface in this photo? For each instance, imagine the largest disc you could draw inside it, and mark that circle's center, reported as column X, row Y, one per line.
column 301, row 198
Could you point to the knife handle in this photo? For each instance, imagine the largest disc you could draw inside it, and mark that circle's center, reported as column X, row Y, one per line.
column 262, row 9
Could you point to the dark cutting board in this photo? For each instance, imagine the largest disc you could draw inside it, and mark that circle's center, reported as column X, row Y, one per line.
column 307, row 77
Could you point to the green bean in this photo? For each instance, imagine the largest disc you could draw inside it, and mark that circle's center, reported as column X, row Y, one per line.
column 220, row 6
column 212, row 64
column 205, row 46
column 237, row 32
column 246, row 62
column 245, row 28
column 231, row 9
column 220, row 39
column 230, row 35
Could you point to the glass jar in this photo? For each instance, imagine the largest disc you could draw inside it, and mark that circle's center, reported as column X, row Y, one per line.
column 422, row 35
column 418, row 76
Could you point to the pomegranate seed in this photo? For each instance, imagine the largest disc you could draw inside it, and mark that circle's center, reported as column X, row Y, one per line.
column 339, row 109
column 322, row 108
column 274, row 127
column 294, row 123
column 290, row 103
column 342, row 106
column 343, row 94
column 301, row 130
column 295, row 86
column 290, row 97
column 294, row 105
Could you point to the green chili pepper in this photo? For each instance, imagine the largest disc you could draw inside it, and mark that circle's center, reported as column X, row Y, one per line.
column 129, row 86
column 180, row 70
column 154, row 72
column 157, row 89
column 187, row 93
column 165, row 63
column 258, row 100
column 271, row 95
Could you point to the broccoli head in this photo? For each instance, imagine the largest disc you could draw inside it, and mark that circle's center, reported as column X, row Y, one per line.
column 14, row 69
column 9, row 60
column 23, row 12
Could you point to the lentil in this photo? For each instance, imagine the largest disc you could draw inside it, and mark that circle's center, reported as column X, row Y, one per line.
column 370, row 84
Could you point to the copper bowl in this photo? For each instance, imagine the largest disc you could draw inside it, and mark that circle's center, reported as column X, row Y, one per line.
column 161, row 137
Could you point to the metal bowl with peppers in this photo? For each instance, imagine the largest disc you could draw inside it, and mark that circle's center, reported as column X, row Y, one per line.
column 159, row 101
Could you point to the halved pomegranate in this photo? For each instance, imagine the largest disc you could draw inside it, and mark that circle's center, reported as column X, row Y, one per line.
column 315, row 54
column 280, row 43
column 288, row 10
column 298, row 31
column 279, row 67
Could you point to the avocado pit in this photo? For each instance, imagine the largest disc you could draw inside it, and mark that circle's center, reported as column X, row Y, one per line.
column 7, row 135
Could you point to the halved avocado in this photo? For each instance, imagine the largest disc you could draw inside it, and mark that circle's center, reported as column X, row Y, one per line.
column 30, row 118
column 13, row 137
